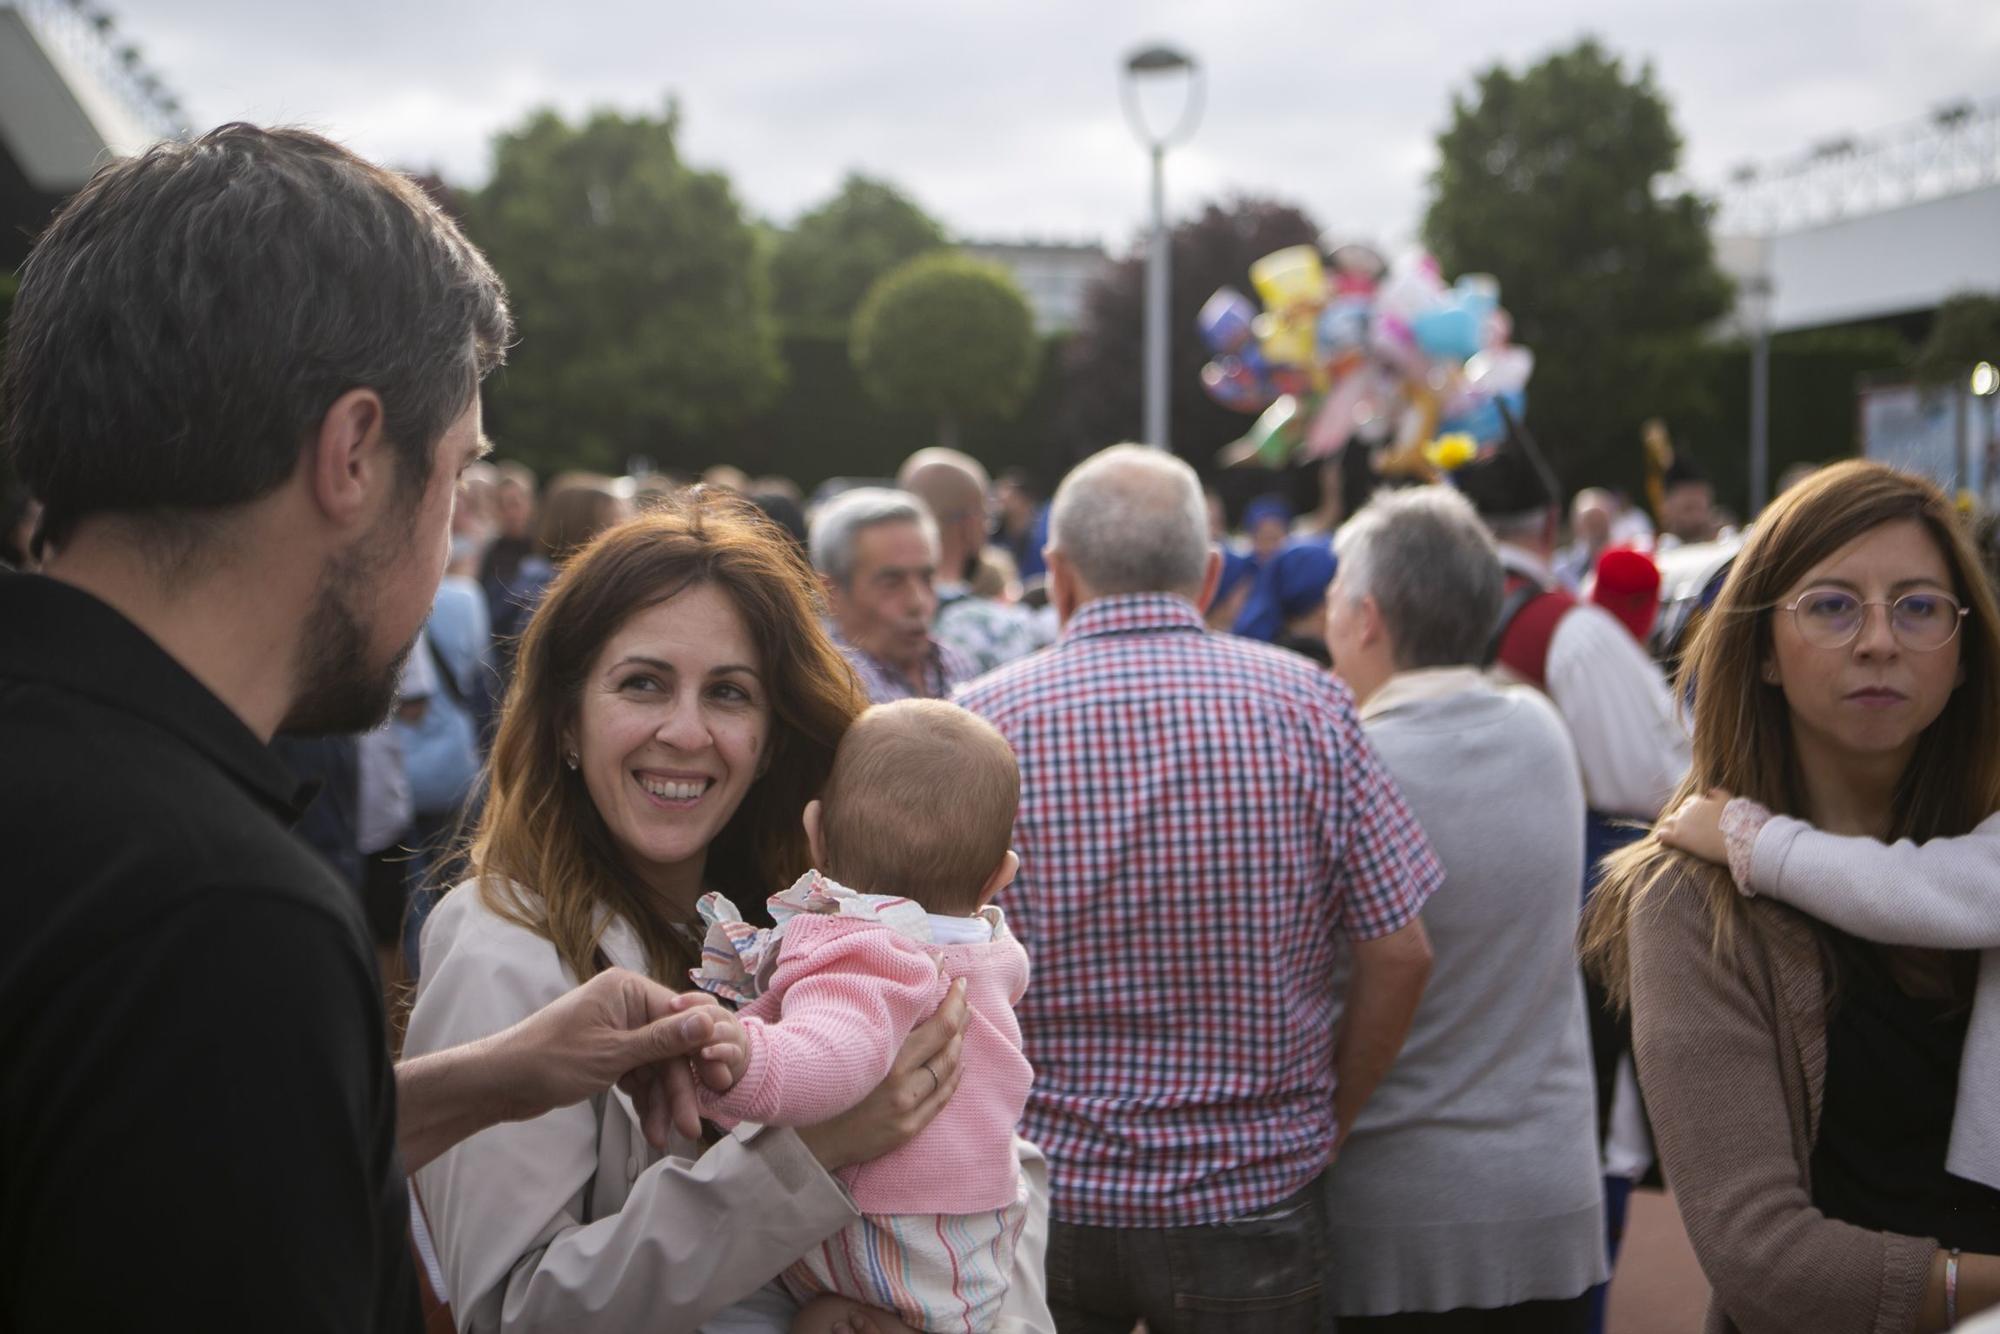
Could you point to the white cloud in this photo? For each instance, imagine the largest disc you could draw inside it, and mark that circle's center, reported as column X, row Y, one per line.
column 1003, row 118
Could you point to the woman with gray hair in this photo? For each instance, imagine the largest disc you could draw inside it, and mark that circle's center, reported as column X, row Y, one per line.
column 1467, row 1196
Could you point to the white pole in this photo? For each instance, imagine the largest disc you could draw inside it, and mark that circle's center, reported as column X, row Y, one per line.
column 1158, row 341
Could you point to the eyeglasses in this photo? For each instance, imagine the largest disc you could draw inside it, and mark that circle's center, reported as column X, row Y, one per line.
column 1832, row 618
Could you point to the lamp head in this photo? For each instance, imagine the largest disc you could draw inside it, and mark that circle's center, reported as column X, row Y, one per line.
column 1157, row 60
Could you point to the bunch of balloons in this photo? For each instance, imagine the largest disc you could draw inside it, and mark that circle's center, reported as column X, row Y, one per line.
column 1351, row 348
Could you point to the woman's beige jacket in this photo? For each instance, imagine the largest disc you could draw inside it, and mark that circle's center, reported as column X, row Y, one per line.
column 572, row 1222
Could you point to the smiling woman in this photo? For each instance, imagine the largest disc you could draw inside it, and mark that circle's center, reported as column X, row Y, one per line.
column 676, row 705
column 1800, row 1081
column 669, row 735
column 681, row 647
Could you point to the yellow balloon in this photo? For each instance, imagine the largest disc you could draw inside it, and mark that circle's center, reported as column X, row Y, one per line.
column 1287, row 342
column 1290, row 279
column 1449, row 453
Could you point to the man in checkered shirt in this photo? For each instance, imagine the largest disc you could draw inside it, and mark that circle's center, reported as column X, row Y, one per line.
column 1203, row 826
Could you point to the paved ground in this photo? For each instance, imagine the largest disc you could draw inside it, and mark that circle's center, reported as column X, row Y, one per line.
column 1658, row 1288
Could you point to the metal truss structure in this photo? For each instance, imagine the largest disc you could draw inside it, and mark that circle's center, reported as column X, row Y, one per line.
column 1954, row 149
column 87, row 37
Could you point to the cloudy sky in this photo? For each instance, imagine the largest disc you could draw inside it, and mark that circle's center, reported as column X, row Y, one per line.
column 1002, row 116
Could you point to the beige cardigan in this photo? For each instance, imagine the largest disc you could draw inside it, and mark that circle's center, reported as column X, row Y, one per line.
column 571, row 1222
column 1731, row 1052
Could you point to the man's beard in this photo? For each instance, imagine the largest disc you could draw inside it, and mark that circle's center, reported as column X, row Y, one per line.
column 338, row 692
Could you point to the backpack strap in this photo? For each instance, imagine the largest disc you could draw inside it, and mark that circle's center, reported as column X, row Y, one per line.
column 1529, row 615
column 447, row 678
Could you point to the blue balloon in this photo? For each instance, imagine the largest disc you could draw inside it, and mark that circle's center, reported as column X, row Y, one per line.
column 1225, row 321
column 1344, row 324
column 1450, row 332
column 1476, row 299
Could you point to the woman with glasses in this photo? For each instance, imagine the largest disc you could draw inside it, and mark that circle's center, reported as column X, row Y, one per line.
column 1802, row 1080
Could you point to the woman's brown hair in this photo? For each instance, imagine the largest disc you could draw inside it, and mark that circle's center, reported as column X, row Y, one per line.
column 1742, row 725
column 541, row 852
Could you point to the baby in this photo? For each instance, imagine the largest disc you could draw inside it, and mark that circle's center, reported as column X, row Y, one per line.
column 1944, row 894
column 918, row 812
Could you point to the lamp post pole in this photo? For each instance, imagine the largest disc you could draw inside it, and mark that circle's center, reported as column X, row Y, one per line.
column 1154, row 63
column 1159, row 260
column 1759, row 293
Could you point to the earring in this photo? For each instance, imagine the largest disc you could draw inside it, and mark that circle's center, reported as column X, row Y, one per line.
column 570, row 759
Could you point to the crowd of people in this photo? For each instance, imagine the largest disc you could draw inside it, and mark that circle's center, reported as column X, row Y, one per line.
column 928, row 904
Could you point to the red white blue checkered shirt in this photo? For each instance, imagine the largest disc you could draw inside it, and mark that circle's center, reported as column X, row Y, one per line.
column 945, row 668
column 1201, row 819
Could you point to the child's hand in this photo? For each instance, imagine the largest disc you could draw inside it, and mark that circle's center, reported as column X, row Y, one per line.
column 727, row 1054
column 841, row 1315
column 1696, row 828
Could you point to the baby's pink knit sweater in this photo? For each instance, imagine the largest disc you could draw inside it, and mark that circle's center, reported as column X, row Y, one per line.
column 843, row 997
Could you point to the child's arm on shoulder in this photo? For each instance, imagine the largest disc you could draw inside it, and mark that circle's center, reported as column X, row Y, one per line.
column 848, row 999
column 1944, row 894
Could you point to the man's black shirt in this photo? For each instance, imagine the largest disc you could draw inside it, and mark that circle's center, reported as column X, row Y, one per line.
column 197, row 1112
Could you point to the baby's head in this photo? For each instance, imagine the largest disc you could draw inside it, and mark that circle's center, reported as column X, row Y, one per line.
column 920, row 803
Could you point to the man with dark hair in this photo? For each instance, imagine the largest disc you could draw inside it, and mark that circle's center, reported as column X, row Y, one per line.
column 242, row 376
column 1687, row 506
column 1021, row 523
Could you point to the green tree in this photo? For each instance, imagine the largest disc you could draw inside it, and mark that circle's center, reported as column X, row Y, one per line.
column 948, row 335
column 1965, row 332
column 824, row 265
column 1557, row 181
column 640, row 290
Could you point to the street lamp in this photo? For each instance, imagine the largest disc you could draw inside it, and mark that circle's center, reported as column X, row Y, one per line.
column 1757, row 313
column 1155, row 66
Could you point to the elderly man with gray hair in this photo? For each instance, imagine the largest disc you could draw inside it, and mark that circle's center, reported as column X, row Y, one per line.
column 876, row 551
column 1201, row 821
column 1468, row 1195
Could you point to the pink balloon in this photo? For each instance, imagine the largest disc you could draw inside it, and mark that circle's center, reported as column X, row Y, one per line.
column 1339, row 413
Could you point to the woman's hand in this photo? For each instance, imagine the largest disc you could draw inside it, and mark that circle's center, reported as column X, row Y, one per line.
column 1696, row 828
column 920, row 1083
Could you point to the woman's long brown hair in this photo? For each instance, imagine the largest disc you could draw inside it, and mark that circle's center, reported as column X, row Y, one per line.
column 1742, row 725
column 541, row 853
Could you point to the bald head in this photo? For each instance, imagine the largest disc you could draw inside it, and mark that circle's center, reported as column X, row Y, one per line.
column 946, row 473
column 953, row 488
column 1590, row 516
column 1131, row 519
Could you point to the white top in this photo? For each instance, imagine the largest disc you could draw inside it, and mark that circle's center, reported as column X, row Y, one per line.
column 1944, row 894
column 1629, row 740
column 571, row 1221
column 947, row 930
